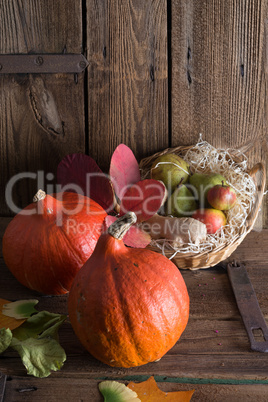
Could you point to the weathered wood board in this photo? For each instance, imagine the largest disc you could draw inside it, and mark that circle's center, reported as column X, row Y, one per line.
column 214, row 344
column 127, row 77
column 160, row 73
column 41, row 116
column 60, row 390
column 219, row 76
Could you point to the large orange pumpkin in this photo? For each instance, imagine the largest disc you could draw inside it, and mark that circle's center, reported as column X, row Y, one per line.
column 46, row 244
column 127, row 306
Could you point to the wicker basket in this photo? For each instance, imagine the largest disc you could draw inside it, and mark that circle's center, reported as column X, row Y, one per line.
column 206, row 259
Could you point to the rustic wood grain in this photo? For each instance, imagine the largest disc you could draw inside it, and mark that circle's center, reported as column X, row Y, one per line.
column 41, row 116
column 235, row 365
column 214, row 344
column 206, row 287
column 218, row 87
column 2, row 386
column 219, row 75
column 86, row 390
column 127, row 77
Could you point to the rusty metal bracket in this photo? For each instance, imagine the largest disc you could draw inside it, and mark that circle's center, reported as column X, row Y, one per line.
column 3, row 379
column 248, row 305
column 42, row 63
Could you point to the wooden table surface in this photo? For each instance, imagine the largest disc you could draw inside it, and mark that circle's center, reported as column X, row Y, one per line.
column 213, row 355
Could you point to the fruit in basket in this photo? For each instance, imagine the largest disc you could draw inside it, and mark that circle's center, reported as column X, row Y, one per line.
column 47, row 243
column 181, row 202
column 214, row 219
column 221, row 197
column 171, row 169
column 201, row 183
column 128, row 306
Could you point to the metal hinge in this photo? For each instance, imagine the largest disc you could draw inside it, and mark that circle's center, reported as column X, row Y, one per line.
column 42, row 63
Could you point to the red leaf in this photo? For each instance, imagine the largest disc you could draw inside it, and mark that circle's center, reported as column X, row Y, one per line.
column 135, row 237
column 80, row 173
column 144, row 198
column 124, row 169
column 109, row 219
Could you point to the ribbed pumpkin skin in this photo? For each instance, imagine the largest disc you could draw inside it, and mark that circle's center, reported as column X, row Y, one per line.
column 128, row 306
column 44, row 256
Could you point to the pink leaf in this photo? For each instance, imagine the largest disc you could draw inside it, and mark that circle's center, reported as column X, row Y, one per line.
column 80, row 173
column 109, row 219
column 124, row 169
column 144, row 198
column 135, row 237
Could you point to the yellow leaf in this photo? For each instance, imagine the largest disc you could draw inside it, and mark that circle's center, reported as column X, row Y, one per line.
column 148, row 391
column 8, row 322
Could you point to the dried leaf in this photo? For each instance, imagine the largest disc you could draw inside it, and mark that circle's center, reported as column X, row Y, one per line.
column 109, row 219
column 37, row 343
column 114, row 391
column 35, row 338
column 8, row 322
column 40, row 356
column 148, row 391
column 135, row 237
column 5, row 339
column 80, row 173
column 144, row 198
column 124, row 169
column 20, row 309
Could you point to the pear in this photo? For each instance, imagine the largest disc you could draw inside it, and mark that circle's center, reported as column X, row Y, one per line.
column 181, row 202
column 171, row 169
column 201, row 183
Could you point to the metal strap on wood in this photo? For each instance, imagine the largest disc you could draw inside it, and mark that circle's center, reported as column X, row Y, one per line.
column 42, row 63
column 2, row 386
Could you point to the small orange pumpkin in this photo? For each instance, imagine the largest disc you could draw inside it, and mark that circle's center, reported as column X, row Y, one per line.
column 128, row 306
column 46, row 244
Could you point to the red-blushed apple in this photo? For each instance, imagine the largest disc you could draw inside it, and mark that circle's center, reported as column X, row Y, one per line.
column 214, row 219
column 221, row 197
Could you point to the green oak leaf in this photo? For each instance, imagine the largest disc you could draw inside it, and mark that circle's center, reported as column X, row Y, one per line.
column 5, row 339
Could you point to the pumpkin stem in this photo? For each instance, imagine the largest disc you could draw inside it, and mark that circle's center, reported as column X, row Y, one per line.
column 40, row 195
column 119, row 228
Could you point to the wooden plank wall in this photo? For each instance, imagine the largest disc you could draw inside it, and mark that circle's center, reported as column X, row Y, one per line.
column 160, row 73
column 219, row 75
column 41, row 116
column 127, row 77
